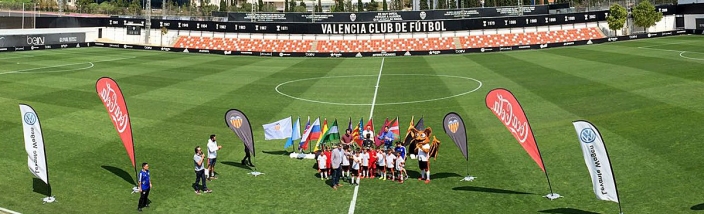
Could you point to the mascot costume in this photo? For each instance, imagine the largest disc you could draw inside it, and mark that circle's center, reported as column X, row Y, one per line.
column 425, row 149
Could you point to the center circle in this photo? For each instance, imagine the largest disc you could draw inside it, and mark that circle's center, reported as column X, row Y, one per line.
column 277, row 88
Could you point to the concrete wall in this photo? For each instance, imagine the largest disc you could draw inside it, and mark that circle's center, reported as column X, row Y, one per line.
column 91, row 33
column 690, row 20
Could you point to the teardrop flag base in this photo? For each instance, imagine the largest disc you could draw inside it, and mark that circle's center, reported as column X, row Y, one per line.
column 255, row 173
column 553, row 196
column 468, row 178
column 50, row 199
column 135, row 190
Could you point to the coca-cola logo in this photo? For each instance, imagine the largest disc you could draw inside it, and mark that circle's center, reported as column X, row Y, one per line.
column 117, row 114
column 506, row 113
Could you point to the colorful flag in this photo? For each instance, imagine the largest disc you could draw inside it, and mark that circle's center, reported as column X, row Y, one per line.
column 378, row 141
column 420, row 124
column 295, row 133
column 111, row 95
column 394, row 129
column 315, row 131
column 454, row 127
column 325, row 130
column 349, row 126
column 278, row 130
column 239, row 123
column 409, row 136
column 356, row 133
column 34, row 144
column 597, row 159
column 332, row 135
column 506, row 107
column 303, row 145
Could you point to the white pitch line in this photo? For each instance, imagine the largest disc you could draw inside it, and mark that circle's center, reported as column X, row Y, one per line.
column 57, row 66
column 376, row 88
column 8, row 211
column 371, row 113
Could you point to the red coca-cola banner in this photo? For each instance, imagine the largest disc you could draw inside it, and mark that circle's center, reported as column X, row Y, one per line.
column 504, row 105
column 111, row 95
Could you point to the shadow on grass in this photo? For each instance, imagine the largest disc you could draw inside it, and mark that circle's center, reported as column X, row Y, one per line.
column 444, row 175
column 698, row 207
column 286, row 153
column 120, row 173
column 239, row 165
column 413, row 174
column 40, row 187
column 567, row 211
column 489, row 190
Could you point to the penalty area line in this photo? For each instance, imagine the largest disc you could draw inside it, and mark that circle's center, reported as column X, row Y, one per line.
column 4, row 210
column 371, row 113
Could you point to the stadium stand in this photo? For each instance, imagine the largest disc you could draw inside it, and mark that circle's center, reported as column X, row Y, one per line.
column 397, row 44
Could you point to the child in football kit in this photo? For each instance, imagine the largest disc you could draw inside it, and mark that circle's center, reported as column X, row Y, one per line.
column 372, row 162
column 356, row 161
column 390, row 160
column 380, row 160
column 400, row 167
column 322, row 166
column 365, row 163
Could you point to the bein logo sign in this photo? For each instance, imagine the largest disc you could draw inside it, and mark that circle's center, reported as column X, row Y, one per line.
column 35, row 40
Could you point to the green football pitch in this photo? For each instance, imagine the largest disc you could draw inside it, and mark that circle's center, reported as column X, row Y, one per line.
column 645, row 96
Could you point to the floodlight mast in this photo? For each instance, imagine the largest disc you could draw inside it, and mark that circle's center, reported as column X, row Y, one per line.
column 148, row 22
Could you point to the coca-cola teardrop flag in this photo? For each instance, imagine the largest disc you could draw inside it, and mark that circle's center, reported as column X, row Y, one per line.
column 111, row 95
column 239, row 124
column 504, row 105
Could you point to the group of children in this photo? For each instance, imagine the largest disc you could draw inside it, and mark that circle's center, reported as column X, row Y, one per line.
column 365, row 163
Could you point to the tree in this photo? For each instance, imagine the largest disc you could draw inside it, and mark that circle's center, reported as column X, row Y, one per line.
column 292, row 5
column 348, row 6
column 442, row 4
column 372, row 6
column 286, row 6
column 268, row 8
column 223, row 6
column 360, row 6
column 384, row 5
column 645, row 15
column 260, row 5
column 82, row 5
column 453, row 4
column 319, row 7
column 617, row 17
column 423, row 4
column 340, row 4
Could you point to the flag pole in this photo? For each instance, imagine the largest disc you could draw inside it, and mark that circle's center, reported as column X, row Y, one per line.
column 552, row 195
column 608, row 157
column 49, row 197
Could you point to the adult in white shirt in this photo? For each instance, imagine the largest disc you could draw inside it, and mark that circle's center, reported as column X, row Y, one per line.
column 367, row 131
column 212, row 155
column 423, row 153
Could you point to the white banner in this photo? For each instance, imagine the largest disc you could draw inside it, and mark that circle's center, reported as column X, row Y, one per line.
column 278, row 130
column 597, row 160
column 34, row 143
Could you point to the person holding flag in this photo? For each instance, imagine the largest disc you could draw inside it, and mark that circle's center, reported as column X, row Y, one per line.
column 387, row 137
